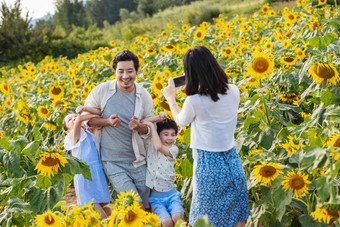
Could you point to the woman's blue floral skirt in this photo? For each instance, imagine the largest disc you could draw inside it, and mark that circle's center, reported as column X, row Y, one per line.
column 219, row 188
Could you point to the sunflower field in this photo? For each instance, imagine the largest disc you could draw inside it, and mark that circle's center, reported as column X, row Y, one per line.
column 286, row 65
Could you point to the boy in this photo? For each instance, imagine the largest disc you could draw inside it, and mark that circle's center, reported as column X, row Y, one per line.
column 165, row 200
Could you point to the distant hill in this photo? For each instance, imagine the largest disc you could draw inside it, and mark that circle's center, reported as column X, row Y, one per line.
column 35, row 21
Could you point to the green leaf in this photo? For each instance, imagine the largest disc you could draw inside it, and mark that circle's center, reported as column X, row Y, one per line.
column 19, row 144
column 203, row 222
column 315, row 41
column 4, row 143
column 281, row 200
column 265, row 137
column 308, row 221
column 315, row 157
column 42, row 200
column 327, row 97
column 336, row 169
column 37, row 134
column 16, row 205
column 43, row 182
column 323, row 188
column 187, row 168
column 250, row 120
column 32, row 149
column 11, row 162
column 186, row 137
column 328, row 38
column 76, row 166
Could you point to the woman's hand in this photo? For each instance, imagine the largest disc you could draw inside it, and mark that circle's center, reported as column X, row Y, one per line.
column 169, row 91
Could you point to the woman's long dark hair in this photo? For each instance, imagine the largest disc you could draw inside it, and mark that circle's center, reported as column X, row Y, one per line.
column 203, row 74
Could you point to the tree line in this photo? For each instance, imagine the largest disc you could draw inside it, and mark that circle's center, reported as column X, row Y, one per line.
column 75, row 27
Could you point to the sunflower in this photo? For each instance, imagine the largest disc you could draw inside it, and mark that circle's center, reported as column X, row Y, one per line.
column 43, row 112
column 50, row 163
column 4, row 88
column 266, row 173
column 150, row 51
column 112, row 43
column 334, row 141
column 297, row 182
column 324, row 72
column 185, row 27
column 169, row 47
column 2, row 134
column 127, row 199
column 157, row 86
column 291, row 17
column 291, row 97
column 268, row 45
column 229, row 52
column 132, row 216
column 252, row 82
column 288, row 60
column 56, row 92
column 265, row 9
column 300, row 54
column 22, row 117
column 272, row 13
column 87, row 88
column 321, row 2
column 48, row 219
column 326, row 214
column 288, row 147
column 164, row 34
column 8, row 103
column 49, row 126
column 77, row 82
column 58, row 102
column 261, row 66
column 74, row 91
column 153, row 219
column 92, row 218
column 199, row 34
column 255, row 151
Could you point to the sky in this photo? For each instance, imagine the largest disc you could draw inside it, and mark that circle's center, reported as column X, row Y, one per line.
column 35, row 8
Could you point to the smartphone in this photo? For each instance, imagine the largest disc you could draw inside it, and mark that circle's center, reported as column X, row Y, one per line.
column 179, row 81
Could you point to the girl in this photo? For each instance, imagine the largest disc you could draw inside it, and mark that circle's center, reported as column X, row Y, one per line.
column 219, row 182
column 81, row 142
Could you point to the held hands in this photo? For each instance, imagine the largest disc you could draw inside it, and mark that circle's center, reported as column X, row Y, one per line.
column 135, row 124
column 162, row 116
column 80, row 109
column 114, row 120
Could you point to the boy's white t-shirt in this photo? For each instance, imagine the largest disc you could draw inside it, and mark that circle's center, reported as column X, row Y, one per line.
column 160, row 172
column 213, row 124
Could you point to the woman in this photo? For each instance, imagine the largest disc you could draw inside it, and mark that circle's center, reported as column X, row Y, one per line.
column 219, row 181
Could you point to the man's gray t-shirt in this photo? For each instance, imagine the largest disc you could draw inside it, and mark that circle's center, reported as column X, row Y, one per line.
column 116, row 143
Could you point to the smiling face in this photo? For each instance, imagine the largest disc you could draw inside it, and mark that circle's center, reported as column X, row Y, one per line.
column 126, row 75
column 168, row 137
column 69, row 122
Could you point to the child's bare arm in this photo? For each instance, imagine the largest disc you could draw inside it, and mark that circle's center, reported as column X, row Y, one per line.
column 157, row 141
column 75, row 136
column 91, row 110
column 161, row 116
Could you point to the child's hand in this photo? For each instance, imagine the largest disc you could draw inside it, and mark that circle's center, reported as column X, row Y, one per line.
column 80, row 109
column 162, row 115
column 148, row 123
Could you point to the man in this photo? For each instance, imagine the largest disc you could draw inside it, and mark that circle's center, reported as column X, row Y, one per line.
column 123, row 103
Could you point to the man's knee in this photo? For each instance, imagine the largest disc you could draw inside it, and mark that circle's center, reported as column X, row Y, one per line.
column 167, row 222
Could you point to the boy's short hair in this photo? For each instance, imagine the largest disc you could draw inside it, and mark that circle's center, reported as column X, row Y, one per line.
column 125, row 55
column 167, row 124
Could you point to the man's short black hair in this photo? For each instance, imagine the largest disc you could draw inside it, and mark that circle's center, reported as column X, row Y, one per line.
column 125, row 55
column 167, row 124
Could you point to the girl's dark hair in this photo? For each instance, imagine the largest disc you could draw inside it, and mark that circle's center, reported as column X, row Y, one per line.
column 167, row 124
column 203, row 74
column 125, row 55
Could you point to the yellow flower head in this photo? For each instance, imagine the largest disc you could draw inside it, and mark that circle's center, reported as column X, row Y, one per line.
column 43, row 112
column 153, row 219
column 77, row 82
column 261, row 66
column 4, row 88
column 56, row 92
column 48, row 219
column 326, row 215
column 199, row 34
column 324, row 72
column 132, row 216
column 297, row 182
column 265, row 173
column 50, row 163
column 127, row 199
column 291, row 97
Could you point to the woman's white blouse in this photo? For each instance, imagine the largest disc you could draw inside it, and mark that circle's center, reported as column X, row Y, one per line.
column 213, row 124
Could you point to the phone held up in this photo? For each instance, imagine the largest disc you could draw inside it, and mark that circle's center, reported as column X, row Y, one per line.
column 179, row 81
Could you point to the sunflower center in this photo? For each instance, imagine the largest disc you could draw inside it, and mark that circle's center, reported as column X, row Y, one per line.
column 49, row 161
column 324, row 71
column 252, row 80
column 337, row 143
column 198, row 34
column 6, row 87
column 333, row 213
column 267, row 171
column 228, row 51
column 44, row 111
column 291, row 17
column 296, row 182
column 130, row 216
column 289, row 59
column 56, row 91
column 260, row 65
column 77, row 82
column 159, row 86
column 49, row 220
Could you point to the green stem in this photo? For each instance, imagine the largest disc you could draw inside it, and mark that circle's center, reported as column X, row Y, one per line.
column 332, row 196
column 309, row 206
column 265, row 106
